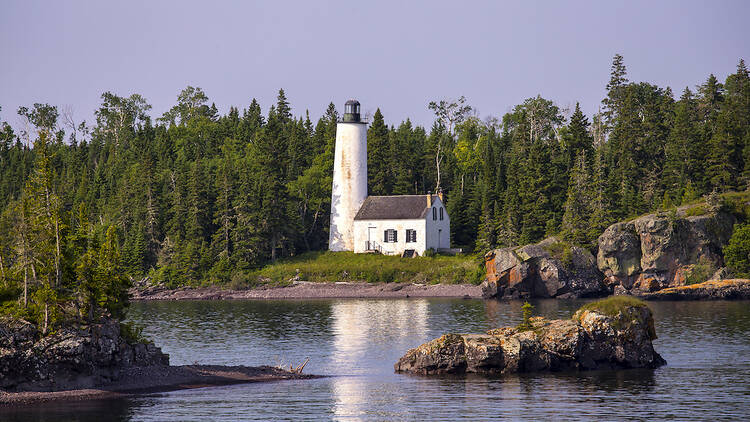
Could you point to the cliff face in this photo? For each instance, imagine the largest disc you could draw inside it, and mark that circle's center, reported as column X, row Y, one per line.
column 657, row 251
column 650, row 253
column 593, row 339
column 69, row 358
column 547, row 269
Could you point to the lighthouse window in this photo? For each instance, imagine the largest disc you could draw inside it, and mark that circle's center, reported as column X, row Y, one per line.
column 390, row 236
column 411, row 235
column 441, row 213
column 434, row 214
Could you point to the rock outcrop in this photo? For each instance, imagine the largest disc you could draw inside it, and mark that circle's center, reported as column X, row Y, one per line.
column 615, row 335
column 657, row 251
column 534, row 271
column 729, row 289
column 69, row 358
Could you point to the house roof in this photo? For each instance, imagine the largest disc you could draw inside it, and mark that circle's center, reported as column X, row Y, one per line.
column 398, row 207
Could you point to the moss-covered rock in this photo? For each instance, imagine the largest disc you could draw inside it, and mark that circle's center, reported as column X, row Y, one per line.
column 614, row 333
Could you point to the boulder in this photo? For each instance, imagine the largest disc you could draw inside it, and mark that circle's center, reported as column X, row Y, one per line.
column 70, row 357
column 593, row 339
column 535, row 271
column 657, row 251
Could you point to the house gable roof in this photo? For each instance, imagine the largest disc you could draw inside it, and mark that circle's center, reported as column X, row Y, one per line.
column 397, row 207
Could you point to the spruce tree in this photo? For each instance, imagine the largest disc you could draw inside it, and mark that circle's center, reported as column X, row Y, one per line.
column 379, row 168
column 578, row 205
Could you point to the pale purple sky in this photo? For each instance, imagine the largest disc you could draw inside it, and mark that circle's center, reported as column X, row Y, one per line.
column 396, row 55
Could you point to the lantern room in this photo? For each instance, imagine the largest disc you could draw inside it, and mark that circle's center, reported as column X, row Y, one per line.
column 351, row 112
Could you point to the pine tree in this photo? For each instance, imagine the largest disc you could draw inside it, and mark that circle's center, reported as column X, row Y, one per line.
column 578, row 206
column 578, row 138
column 684, row 151
column 379, row 167
column 615, row 95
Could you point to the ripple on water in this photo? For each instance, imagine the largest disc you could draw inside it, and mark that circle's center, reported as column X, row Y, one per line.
column 357, row 341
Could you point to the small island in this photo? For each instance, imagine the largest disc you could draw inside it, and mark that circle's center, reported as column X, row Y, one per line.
column 613, row 333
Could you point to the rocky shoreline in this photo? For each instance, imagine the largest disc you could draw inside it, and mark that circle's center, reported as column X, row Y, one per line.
column 155, row 379
column 102, row 361
column 311, row 290
column 732, row 289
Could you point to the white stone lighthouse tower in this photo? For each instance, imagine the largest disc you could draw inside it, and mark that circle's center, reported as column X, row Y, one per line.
column 349, row 188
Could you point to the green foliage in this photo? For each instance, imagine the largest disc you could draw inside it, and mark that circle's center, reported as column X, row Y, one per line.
column 700, row 272
column 201, row 198
column 696, row 211
column 348, row 266
column 737, row 252
column 133, row 333
column 560, row 250
column 613, row 305
column 525, row 324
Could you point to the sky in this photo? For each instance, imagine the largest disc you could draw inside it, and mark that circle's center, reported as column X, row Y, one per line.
column 393, row 55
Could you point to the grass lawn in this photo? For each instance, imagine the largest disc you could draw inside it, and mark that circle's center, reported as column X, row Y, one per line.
column 348, row 266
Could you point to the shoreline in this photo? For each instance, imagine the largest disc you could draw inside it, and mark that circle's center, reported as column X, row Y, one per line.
column 156, row 379
column 314, row 290
column 731, row 289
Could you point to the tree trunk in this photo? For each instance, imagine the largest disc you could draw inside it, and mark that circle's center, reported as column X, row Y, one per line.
column 57, row 251
column 437, row 166
column 46, row 318
column 2, row 271
column 25, row 287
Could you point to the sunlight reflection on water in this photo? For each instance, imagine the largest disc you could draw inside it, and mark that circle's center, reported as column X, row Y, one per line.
column 357, row 341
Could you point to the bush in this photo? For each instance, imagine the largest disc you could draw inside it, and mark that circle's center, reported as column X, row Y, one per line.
column 737, row 252
column 561, row 250
column 527, row 309
column 696, row 211
column 700, row 272
column 133, row 333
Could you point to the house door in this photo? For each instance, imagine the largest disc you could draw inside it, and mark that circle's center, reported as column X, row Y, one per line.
column 371, row 238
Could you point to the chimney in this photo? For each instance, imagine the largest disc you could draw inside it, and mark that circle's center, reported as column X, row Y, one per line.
column 429, row 199
column 440, row 195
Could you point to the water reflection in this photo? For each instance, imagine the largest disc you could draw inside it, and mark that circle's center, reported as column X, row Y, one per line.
column 357, row 342
column 361, row 329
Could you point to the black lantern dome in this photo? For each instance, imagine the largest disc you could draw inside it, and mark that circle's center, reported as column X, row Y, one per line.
column 351, row 112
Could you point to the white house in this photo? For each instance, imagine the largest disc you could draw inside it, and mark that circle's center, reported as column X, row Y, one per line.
column 393, row 225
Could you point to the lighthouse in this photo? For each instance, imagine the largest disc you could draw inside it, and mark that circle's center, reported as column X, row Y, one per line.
column 349, row 187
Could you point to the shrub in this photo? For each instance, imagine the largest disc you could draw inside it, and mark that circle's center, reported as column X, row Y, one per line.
column 700, row 272
column 133, row 333
column 561, row 250
column 527, row 309
column 696, row 211
column 737, row 252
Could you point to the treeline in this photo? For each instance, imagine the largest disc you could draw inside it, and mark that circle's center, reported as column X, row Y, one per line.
column 199, row 197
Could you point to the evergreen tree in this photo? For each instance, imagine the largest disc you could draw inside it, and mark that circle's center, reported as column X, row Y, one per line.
column 578, row 206
column 379, row 170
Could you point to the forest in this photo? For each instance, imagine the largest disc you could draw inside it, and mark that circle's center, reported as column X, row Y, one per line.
column 195, row 197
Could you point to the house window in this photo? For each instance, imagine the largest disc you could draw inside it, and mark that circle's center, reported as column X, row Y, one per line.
column 441, row 213
column 434, row 213
column 390, row 236
column 411, row 236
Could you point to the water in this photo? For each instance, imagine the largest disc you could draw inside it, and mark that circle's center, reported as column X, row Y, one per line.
column 706, row 345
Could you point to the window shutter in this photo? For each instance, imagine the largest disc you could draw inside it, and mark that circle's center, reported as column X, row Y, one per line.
column 395, row 236
column 385, row 235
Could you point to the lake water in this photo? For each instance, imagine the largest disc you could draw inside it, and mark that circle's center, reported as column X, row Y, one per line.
column 706, row 345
